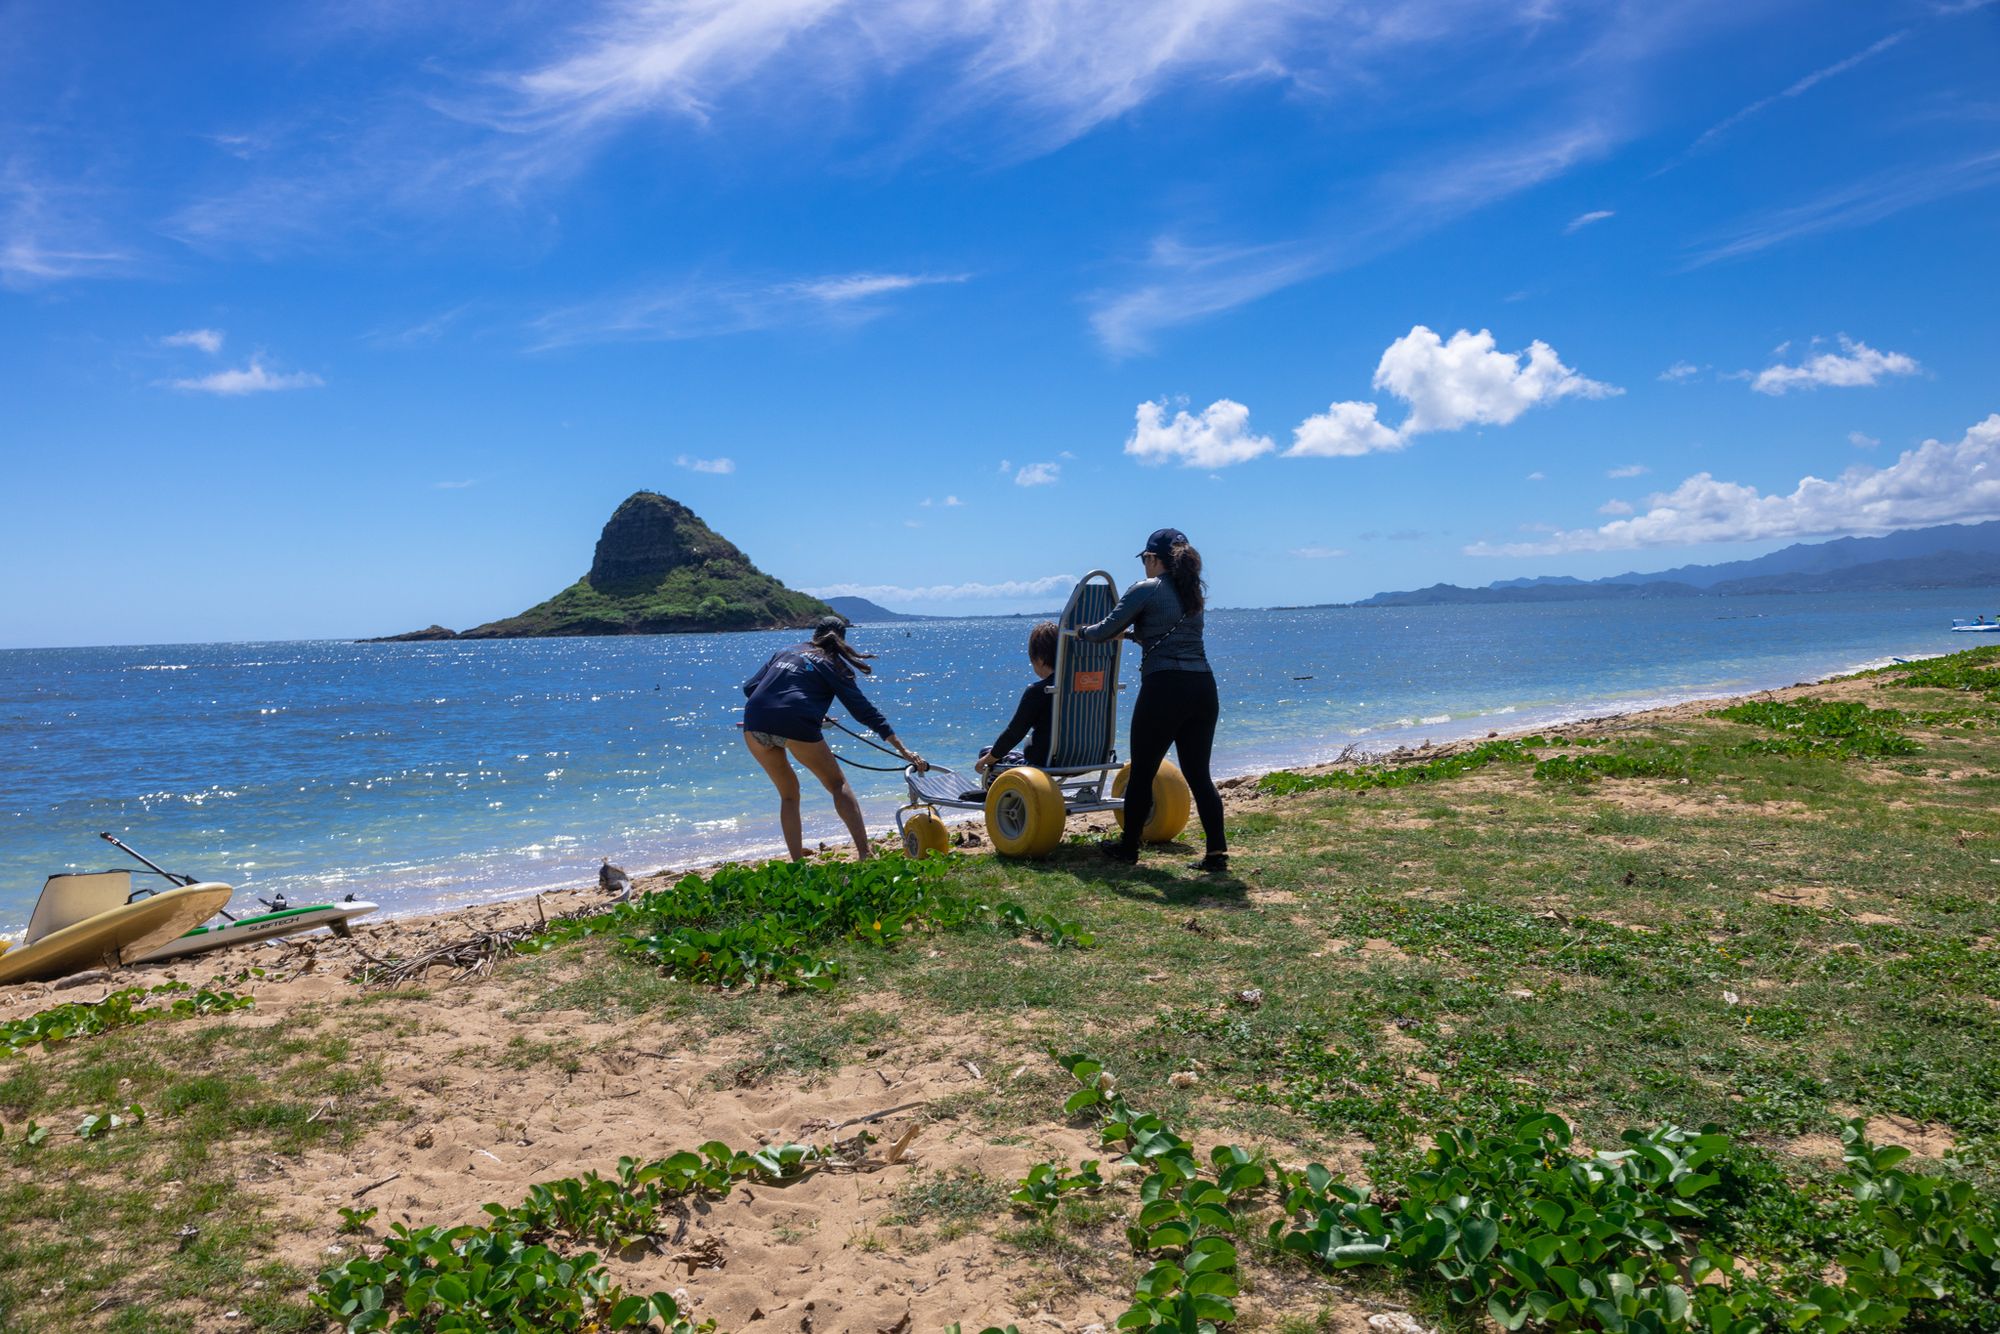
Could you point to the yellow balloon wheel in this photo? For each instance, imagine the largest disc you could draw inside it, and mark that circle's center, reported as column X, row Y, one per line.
column 1173, row 802
column 1024, row 813
column 924, row 833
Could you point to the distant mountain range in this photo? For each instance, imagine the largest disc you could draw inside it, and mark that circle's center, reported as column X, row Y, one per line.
column 1956, row 555
column 863, row 612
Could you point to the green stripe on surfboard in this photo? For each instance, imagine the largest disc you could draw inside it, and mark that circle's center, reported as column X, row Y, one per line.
column 261, row 918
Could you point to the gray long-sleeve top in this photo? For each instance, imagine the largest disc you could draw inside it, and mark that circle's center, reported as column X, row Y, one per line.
column 1170, row 641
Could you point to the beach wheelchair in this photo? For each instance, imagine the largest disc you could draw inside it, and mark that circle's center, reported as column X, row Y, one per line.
column 1027, row 808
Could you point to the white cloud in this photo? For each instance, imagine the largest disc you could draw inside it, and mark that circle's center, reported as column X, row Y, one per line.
column 721, row 467
column 1006, row 465
column 255, row 378
column 971, row 592
column 1856, row 365
column 1615, row 507
column 1220, row 436
column 1537, row 476
column 1448, row 384
column 1344, row 430
column 1937, row 482
column 703, row 307
column 1582, row 220
column 952, row 502
column 861, row 286
column 46, row 234
column 1038, row 474
column 1466, row 381
column 451, row 486
column 1319, row 553
column 208, row 340
column 1680, row 370
column 1861, row 440
column 1629, row 470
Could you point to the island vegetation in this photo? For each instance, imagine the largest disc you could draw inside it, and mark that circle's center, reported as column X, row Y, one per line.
column 658, row 569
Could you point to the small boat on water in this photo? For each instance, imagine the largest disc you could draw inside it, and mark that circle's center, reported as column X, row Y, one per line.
column 1981, row 626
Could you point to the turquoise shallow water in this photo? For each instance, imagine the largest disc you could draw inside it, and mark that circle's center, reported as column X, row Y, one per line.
column 429, row 774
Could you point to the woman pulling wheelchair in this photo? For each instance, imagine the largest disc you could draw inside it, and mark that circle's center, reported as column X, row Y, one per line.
column 1177, row 705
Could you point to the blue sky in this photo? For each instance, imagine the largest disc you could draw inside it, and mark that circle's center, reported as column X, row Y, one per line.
column 343, row 319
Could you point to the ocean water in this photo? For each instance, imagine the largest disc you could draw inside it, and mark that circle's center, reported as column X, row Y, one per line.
column 422, row 775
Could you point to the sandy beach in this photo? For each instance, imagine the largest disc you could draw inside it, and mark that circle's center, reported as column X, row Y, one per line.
column 481, row 1079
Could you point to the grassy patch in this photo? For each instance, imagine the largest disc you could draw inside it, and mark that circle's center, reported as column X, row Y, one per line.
column 158, row 1217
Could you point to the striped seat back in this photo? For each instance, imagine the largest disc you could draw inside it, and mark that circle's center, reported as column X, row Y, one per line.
column 1086, row 681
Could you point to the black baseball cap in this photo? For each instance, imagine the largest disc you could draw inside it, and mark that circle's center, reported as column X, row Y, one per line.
column 1163, row 541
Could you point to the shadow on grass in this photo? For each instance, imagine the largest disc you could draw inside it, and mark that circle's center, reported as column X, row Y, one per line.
column 1154, row 883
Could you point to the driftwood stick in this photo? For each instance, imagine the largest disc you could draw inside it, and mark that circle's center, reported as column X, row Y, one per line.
column 877, row 1116
column 371, row 1186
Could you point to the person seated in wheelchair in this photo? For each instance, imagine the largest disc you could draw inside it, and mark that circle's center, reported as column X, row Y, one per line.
column 1032, row 715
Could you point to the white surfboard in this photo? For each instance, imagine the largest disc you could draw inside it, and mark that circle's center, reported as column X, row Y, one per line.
column 264, row 926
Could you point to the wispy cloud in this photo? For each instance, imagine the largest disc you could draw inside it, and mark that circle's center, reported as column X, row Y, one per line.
column 967, row 592
column 1629, row 470
column 1447, row 384
column 1855, row 365
column 861, row 286
column 1680, row 370
column 452, row 486
column 1862, row 440
column 1582, row 220
column 1857, row 205
column 256, row 378
column 1937, row 482
column 46, row 235
column 721, row 467
column 1714, row 132
column 704, row 307
column 1179, row 283
column 207, row 340
column 1319, row 553
column 1038, row 474
column 423, row 331
column 1183, row 284
column 1000, row 82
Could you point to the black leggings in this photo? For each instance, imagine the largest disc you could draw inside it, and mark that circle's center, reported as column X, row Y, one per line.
column 1177, row 709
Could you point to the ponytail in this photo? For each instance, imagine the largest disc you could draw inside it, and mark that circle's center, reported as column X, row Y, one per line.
column 830, row 638
column 1184, row 572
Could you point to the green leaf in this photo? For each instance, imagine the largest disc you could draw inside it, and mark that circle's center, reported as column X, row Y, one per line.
column 1082, row 1098
column 1480, row 1236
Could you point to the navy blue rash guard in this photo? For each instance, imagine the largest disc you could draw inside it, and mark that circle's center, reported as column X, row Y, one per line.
column 791, row 693
column 1030, row 720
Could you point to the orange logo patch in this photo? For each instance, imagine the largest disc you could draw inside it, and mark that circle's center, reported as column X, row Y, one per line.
column 1087, row 681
